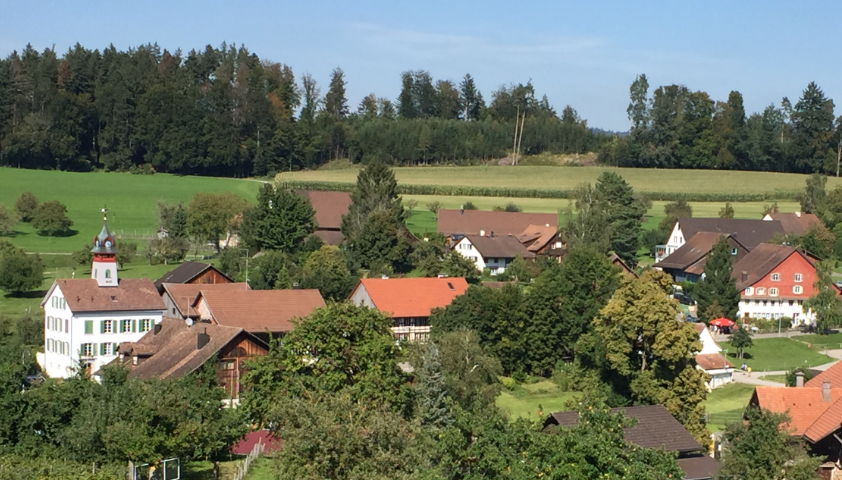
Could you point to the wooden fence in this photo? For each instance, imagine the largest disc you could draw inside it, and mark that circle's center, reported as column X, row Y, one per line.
column 243, row 467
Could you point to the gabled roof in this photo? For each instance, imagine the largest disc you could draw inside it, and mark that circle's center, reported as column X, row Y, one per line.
column 186, row 272
column 85, row 295
column 499, row 246
column 759, row 262
column 178, row 352
column 329, row 207
column 832, row 375
column 811, row 416
column 749, row 233
column 184, row 294
column 694, row 249
column 470, row 222
column 412, row 297
column 330, row 237
column 795, row 223
column 536, row 237
column 260, row 310
column 712, row 361
column 656, row 428
column 700, row 467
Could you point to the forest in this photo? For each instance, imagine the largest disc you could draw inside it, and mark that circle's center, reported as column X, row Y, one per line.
column 227, row 112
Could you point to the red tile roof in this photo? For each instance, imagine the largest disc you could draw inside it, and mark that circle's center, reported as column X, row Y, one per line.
column 412, row 297
column 184, row 294
column 329, row 207
column 85, row 295
column 810, row 415
column 712, row 361
column 832, row 375
column 259, row 310
column 457, row 222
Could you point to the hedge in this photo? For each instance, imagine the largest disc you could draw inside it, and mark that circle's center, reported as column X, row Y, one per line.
column 466, row 191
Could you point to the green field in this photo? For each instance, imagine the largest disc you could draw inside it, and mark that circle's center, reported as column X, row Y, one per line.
column 726, row 404
column 831, row 342
column 525, row 399
column 776, row 354
column 564, row 178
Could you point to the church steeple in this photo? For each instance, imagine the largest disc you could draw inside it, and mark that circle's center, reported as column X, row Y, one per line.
column 104, row 268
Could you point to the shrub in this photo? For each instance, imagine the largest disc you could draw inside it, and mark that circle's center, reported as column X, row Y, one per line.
column 509, row 383
column 565, row 376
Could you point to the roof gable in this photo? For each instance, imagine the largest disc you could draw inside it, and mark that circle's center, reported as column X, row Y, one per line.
column 749, row 233
column 794, row 223
column 470, row 222
column 694, row 249
column 810, row 415
column 329, row 207
column 186, row 272
column 412, row 297
column 760, row 262
column 536, row 237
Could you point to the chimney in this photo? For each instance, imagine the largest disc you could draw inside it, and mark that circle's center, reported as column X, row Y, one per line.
column 826, row 391
column 202, row 339
column 745, row 275
column 799, row 378
column 482, row 233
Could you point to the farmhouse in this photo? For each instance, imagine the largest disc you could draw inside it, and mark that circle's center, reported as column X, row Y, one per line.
column 749, row 233
column 173, row 349
column 494, row 252
column 794, row 223
column 410, row 301
column 543, row 240
column 192, row 273
column 711, row 360
column 687, row 263
column 655, row 428
column 774, row 281
column 457, row 223
column 180, row 297
column 263, row 313
column 329, row 207
column 85, row 319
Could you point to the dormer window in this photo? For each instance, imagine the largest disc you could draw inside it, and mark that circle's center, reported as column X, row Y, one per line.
column 734, row 251
column 761, row 291
column 749, row 291
column 776, row 277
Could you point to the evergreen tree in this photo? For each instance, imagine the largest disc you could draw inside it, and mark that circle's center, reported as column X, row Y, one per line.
column 406, row 103
column 590, row 226
column 812, row 122
column 431, row 389
column 335, row 102
column 624, row 213
column 281, row 220
column 470, row 98
column 718, row 285
column 825, row 302
column 814, row 194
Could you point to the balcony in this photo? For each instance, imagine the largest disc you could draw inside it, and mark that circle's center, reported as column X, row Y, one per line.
column 660, row 253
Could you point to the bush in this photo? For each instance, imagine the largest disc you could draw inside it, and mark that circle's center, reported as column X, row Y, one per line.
column 509, row 383
column 565, row 375
column 519, row 376
column 790, row 375
column 143, row 169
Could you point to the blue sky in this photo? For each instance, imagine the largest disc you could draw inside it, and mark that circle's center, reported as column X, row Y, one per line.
column 585, row 54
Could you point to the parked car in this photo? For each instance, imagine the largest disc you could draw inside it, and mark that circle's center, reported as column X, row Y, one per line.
column 683, row 299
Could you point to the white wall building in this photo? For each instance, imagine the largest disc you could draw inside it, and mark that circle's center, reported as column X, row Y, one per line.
column 492, row 252
column 711, row 360
column 85, row 319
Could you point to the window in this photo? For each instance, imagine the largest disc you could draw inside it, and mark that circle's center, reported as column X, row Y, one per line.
column 125, row 325
column 107, row 348
column 798, row 277
column 87, row 350
column 226, row 365
column 675, row 239
column 107, row 273
column 89, row 327
column 773, row 292
column 796, row 290
column 734, row 251
column 776, row 277
column 107, row 326
column 749, row 290
column 791, row 303
column 761, row 291
column 146, row 325
column 67, row 326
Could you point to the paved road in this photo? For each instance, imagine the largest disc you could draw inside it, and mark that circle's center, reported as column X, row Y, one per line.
column 757, row 336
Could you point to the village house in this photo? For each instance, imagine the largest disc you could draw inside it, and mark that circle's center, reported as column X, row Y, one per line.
column 409, row 301
column 173, row 349
column 193, row 273
column 794, row 223
column 687, row 263
column 329, row 208
column 543, row 240
column 655, row 428
column 711, row 360
column 749, row 233
column 263, row 313
column 455, row 224
column 179, row 297
column 494, row 252
column 86, row 318
column 619, row 263
column 774, row 281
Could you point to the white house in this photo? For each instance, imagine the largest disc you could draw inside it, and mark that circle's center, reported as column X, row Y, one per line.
column 85, row 319
column 711, row 360
column 490, row 251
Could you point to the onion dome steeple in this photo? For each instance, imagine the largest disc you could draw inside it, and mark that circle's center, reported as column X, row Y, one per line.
column 104, row 268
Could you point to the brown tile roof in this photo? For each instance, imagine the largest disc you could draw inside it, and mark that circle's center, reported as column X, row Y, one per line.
column 656, row 428
column 470, row 222
column 701, row 467
column 810, row 415
column 260, row 310
column 536, row 237
column 749, row 233
column 184, row 273
column 184, row 294
column 178, row 352
column 712, row 361
column 412, row 297
column 330, row 237
column 694, row 249
column 131, row 294
column 499, row 246
column 329, row 207
column 796, row 223
column 832, row 375
column 759, row 262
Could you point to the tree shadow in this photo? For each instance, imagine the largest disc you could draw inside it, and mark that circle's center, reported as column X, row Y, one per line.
column 67, row 233
column 13, row 234
column 29, row 294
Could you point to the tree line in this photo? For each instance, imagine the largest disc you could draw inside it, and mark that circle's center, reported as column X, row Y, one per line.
column 225, row 111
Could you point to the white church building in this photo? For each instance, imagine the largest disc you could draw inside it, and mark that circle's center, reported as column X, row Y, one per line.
column 85, row 319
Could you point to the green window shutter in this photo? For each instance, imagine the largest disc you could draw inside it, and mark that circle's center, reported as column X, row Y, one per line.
column 93, row 349
column 134, row 325
column 102, row 326
column 151, row 323
column 89, row 327
column 102, row 349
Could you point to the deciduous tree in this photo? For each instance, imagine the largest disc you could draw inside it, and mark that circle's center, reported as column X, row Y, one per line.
column 327, row 271
column 825, row 302
column 50, row 218
column 25, row 206
column 741, row 339
column 212, row 215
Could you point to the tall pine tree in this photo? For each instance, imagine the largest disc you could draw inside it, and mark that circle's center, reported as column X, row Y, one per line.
column 718, row 287
column 625, row 214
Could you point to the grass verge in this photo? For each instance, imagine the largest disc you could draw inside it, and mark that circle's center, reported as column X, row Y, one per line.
column 726, row 404
column 775, row 354
column 528, row 400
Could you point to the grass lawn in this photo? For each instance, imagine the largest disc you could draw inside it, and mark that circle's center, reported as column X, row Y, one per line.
column 771, row 354
column 725, row 405
column 561, row 177
column 832, row 341
column 261, row 469
column 131, row 200
column 775, row 378
column 524, row 400
column 202, row 470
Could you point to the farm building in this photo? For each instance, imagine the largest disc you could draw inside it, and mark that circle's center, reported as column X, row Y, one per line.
column 687, row 263
column 494, row 252
column 794, row 223
column 750, row 233
column 193, row 273
column 329, row 207
column 458, row 223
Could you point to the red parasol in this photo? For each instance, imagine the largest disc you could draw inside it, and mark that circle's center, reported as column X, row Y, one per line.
column 722, row 322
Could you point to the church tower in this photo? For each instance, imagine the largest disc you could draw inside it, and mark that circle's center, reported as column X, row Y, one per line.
column 104, row 268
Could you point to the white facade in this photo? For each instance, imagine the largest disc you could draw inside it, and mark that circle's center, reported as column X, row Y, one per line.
column 675, row 241
column 709, row 345
column 89, row 337
column 467, row 249
column 771, row 309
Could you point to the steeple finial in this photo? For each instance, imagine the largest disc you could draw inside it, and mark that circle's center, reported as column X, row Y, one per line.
column 104, row 214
